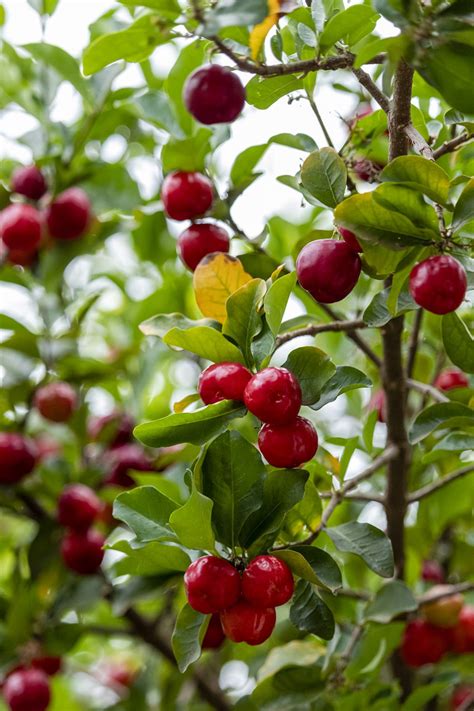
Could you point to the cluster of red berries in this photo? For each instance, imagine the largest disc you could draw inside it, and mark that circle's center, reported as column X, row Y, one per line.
column 242, row 605
column 26, row 687
column 274, row 396
column 82, row 548
column 23, row 226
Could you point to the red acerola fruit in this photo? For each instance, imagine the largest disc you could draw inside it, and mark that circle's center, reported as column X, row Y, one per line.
column 113, row 429
column 48, row 665
column 451, row 378
column 214, row 636
column 214, row 94
column 27, row 690
column 20, row 258
column 30, row 182
column 274, row 396
column 444, row 612
column 462, row 698
column 82, row 552
column 122, row 459
column 199, row 240
column 432, row 572
column 462, row 636
column 186, row 195
column 267, row 582
column 69, row 215
column 212, row 584
column 56, row 401
column 350, row 239
column 288, row 446
column 20, row 228
column 78, row 507
column 423, row 643
column 18, row 457
column 328, row 269
column 377, row 403
column 438, row 284
column 223, row 381
column 245, row 623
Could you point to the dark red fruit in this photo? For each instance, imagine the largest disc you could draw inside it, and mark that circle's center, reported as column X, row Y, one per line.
column 21, row 259
column 121, row 460
column 438, row 284
column 267, row 582
column 30, row 182
column 214, row 94
column 274, row 396
column 83, row 552
column 288, row 446
column 78, row 507
column 245, row 623
column 20, row 228
column 223, row 381
column 423, row 643
column 350, row 239
column 199, row 240
column 462, row 698
column 214, row 636
column 328, row 269
column 377, row 403
column 56, row 401
column 186, row 195
column 27, row 690
column 69, row 216
column 18, row 457
column 450, row 379
column 462, row 637
column 432, row 572
column 211, row 584
column 113, row 429
column 48, row 665
column 367, row 170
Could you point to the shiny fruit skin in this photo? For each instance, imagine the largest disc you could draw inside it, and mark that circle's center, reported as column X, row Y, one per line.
column 214, row 637
column 350, row 239
column 56, row 402
column 186, row 195
column 20, row 228
column 274, row 396
column 377, row 403
column 27, row 690
column 78, row 507
column 267, row 582
column 30, row 182
column 423, row 643
column 18, row 457
column 328, row 269
column 461, row 697
column 288, row 446
column 462, row 636
column 214, row 94
column 48, row 665
column 245, row 623
column 83, row 552
column 113, row 429
column 122, row 459
column 212, row 584
column 69, row 215
column 445, row 612
column 223, row 381
column 438, row 284
column 199, row 240
column 432, row 572
column 451, row 378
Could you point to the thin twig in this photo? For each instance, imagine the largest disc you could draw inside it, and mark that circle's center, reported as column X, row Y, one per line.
column 418, row 142
column 360, row 343
column 369, row 84
column 431, row 488
column 426, row 389
column 452, row 145
column 315, row 329
column 414, row 341
column 315, row 110
column 356, row 496
column 447, row 592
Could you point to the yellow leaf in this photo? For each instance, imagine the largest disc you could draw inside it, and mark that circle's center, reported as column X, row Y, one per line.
column 259, row 33
column 181, row 405
column 215, row 279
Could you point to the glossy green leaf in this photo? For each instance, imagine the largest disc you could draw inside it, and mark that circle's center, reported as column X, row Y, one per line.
column 310, row 614
column 377, row 312
column 192, row 522
column 392, row 600
column 418, row 173
column 276, row 300
column 262, row 92
column 236, row 12
column 169, row 9
column 344, row 380
column 244, row 321
column 205, row 342
column 313, row 369
column 188, row 154
column 349, row 25
column 408, row 202
column 162, row 324
column 146, row 511
column 244, row 164
column 153, row 559
column 446, row 415
column 313, row 564
column 366, row 541
column 187, row 637
column 464, row 210
column 458, row 342
column 449, row 69
column 324, row 175
column 63, row 64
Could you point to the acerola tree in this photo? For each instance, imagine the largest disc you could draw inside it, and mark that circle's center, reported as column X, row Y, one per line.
column 198, row 508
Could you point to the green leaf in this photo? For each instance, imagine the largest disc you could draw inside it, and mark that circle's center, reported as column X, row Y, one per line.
column 366, row 541
column 244, row 322
column 312, row 368
column 63, row 64
column 408, row 202
column 193, row 427
column 377, row 312
column 446, row 415
column 464, row 210
column 419, row 698
column 232, row 474
column 418, row 173
column 449, row 69
column 313, row 564
column 230, row 13
column 192, row 522
column 44, row 7
column 390, row 601
column 344, row 379
column 162, row 324
column 458, row 342
column 310, row 614
column 350, row 25
column 245, row 163
column 146, row 511
column 300, row 141
column 262, row 92
column 169, row 9
column 205, row 342
column 153, row 559
column 187, row 154
column 324, row 175
column 187, row 636
column 276, row 300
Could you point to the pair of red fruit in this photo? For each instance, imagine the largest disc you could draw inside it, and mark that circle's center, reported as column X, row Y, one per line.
column 82, row 548
column 274, row 396
column 242, row 605
column 26, row 687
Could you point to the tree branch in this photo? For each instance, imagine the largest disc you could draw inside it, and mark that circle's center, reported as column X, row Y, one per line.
column 414, row 339
column 431, row 488
column 450, row 590
column 426, row 389
column 452, row 145
column 356, row 496
column 315, row 329
column 360, row 343
column 418, row 142
column 369, row 84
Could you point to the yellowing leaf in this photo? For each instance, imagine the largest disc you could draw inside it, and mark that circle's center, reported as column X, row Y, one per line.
column 183, row 404
column 260, row 31
column 215, row 279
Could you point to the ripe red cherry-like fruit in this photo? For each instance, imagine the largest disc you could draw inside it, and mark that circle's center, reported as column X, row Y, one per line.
column 438, row 284
column 432, row 572
column 245, row 623
column 199, row 240
column 83, row 552
column 288, row 446
column 462, row 636
column 69, row 215
column 113, row 429
column 27, row 690
column 18, row 457
column 328, row 269
column 223, row 381
column 122, row 459
column 462, row 697
column 30, row 182
column 350, row 239
column 56, row 401
column 423, row 643
column 20, row 228
column 212, row 584
column 214, row 636
column 377, row 403
column 48, row 665
column 78, row 507
column 274, row 396
column 451, row 378
column 214, row 94
column 186, row 195
column 267, row 582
